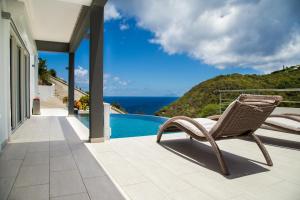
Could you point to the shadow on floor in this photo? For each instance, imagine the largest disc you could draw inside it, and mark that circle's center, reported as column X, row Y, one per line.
column 202, row 154
column 280, row 142
column 88, row 165
column 46, row 159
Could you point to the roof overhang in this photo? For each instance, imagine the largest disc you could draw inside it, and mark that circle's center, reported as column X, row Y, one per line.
column 59, row 25
column 52, row 46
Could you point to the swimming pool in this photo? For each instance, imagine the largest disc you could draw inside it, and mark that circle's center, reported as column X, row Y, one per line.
column 130, row 125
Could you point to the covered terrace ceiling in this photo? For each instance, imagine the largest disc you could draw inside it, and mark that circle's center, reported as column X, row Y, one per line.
column 54, row 20
column 58, row 25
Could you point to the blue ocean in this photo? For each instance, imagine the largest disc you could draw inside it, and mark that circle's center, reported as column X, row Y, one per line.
column 141, row 105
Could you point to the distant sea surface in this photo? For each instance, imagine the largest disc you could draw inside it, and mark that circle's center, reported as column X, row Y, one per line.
column 141, row 105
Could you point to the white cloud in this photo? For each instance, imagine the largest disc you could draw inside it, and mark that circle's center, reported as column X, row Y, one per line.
column 110, row 12
column 114, row 83
column 116, row 78
column 124, row 27
column 262, row 34
column 81, row 75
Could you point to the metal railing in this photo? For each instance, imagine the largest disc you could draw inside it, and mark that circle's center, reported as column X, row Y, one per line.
column 225, row 101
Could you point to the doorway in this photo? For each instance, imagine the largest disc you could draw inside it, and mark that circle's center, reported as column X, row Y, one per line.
column 19, row 81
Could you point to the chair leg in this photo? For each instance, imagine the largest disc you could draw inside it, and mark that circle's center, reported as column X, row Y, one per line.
column 219, row 155
column 263, row 149
column 224, row 169
column 158, row 137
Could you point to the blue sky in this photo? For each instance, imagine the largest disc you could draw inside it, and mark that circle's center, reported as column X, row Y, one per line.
column 134, row 66
column 157, row 48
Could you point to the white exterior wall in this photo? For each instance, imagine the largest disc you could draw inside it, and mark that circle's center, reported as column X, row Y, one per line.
column 33, row 78
column 19, row 16
column 46, row 91
column 4, row 80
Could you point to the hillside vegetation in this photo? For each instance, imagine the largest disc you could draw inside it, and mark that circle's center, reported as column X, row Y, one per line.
column 203, row 99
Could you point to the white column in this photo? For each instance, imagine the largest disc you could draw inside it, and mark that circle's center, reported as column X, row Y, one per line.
column 107, row 129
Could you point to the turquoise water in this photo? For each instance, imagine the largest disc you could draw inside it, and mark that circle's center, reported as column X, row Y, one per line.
column 130, row 125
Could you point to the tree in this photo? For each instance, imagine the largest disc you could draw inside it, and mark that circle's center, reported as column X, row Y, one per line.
column 42, row 66
column 52, row 72
column 43, row 72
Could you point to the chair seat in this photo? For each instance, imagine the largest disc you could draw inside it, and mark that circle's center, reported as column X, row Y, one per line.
column 206, row 123
column 284, row 123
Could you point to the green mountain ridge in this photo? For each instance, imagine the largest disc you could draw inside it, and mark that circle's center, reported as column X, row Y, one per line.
column 203, row 99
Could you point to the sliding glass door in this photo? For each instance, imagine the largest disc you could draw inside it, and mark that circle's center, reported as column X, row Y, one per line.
column 12, row 96
column 19, row 81
column 18, row 86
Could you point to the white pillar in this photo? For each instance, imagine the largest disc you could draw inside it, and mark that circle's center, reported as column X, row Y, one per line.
column 107, row 129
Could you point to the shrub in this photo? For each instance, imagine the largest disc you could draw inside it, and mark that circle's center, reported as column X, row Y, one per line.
column 78, row 105
column 85, row 100
column 84, row 106
column 65, row 99
column 82, row 103
column 210, row 109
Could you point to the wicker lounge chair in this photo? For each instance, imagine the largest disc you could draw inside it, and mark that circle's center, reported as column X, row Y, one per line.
column 287, row 122
column 241, row 118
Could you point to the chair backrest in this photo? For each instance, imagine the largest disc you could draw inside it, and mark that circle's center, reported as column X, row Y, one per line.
column 245, row 115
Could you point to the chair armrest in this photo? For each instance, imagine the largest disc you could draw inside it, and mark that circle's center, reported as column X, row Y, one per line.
column 172, row 120
column 214, row 117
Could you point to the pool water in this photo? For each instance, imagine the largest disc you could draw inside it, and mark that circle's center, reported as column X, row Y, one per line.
column 130, row 125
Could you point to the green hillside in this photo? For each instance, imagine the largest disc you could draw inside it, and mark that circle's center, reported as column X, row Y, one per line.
column 203, row 99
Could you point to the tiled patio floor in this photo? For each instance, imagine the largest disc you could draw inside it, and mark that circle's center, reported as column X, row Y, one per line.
column 184, row 169
column 45, row 159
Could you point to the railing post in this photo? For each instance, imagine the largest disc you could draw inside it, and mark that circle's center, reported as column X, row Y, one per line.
column 220, row 101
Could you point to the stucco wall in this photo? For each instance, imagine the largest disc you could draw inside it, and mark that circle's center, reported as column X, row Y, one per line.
column 4, row 80
column 19, row 17
column 46, row 92
column 61, row 89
